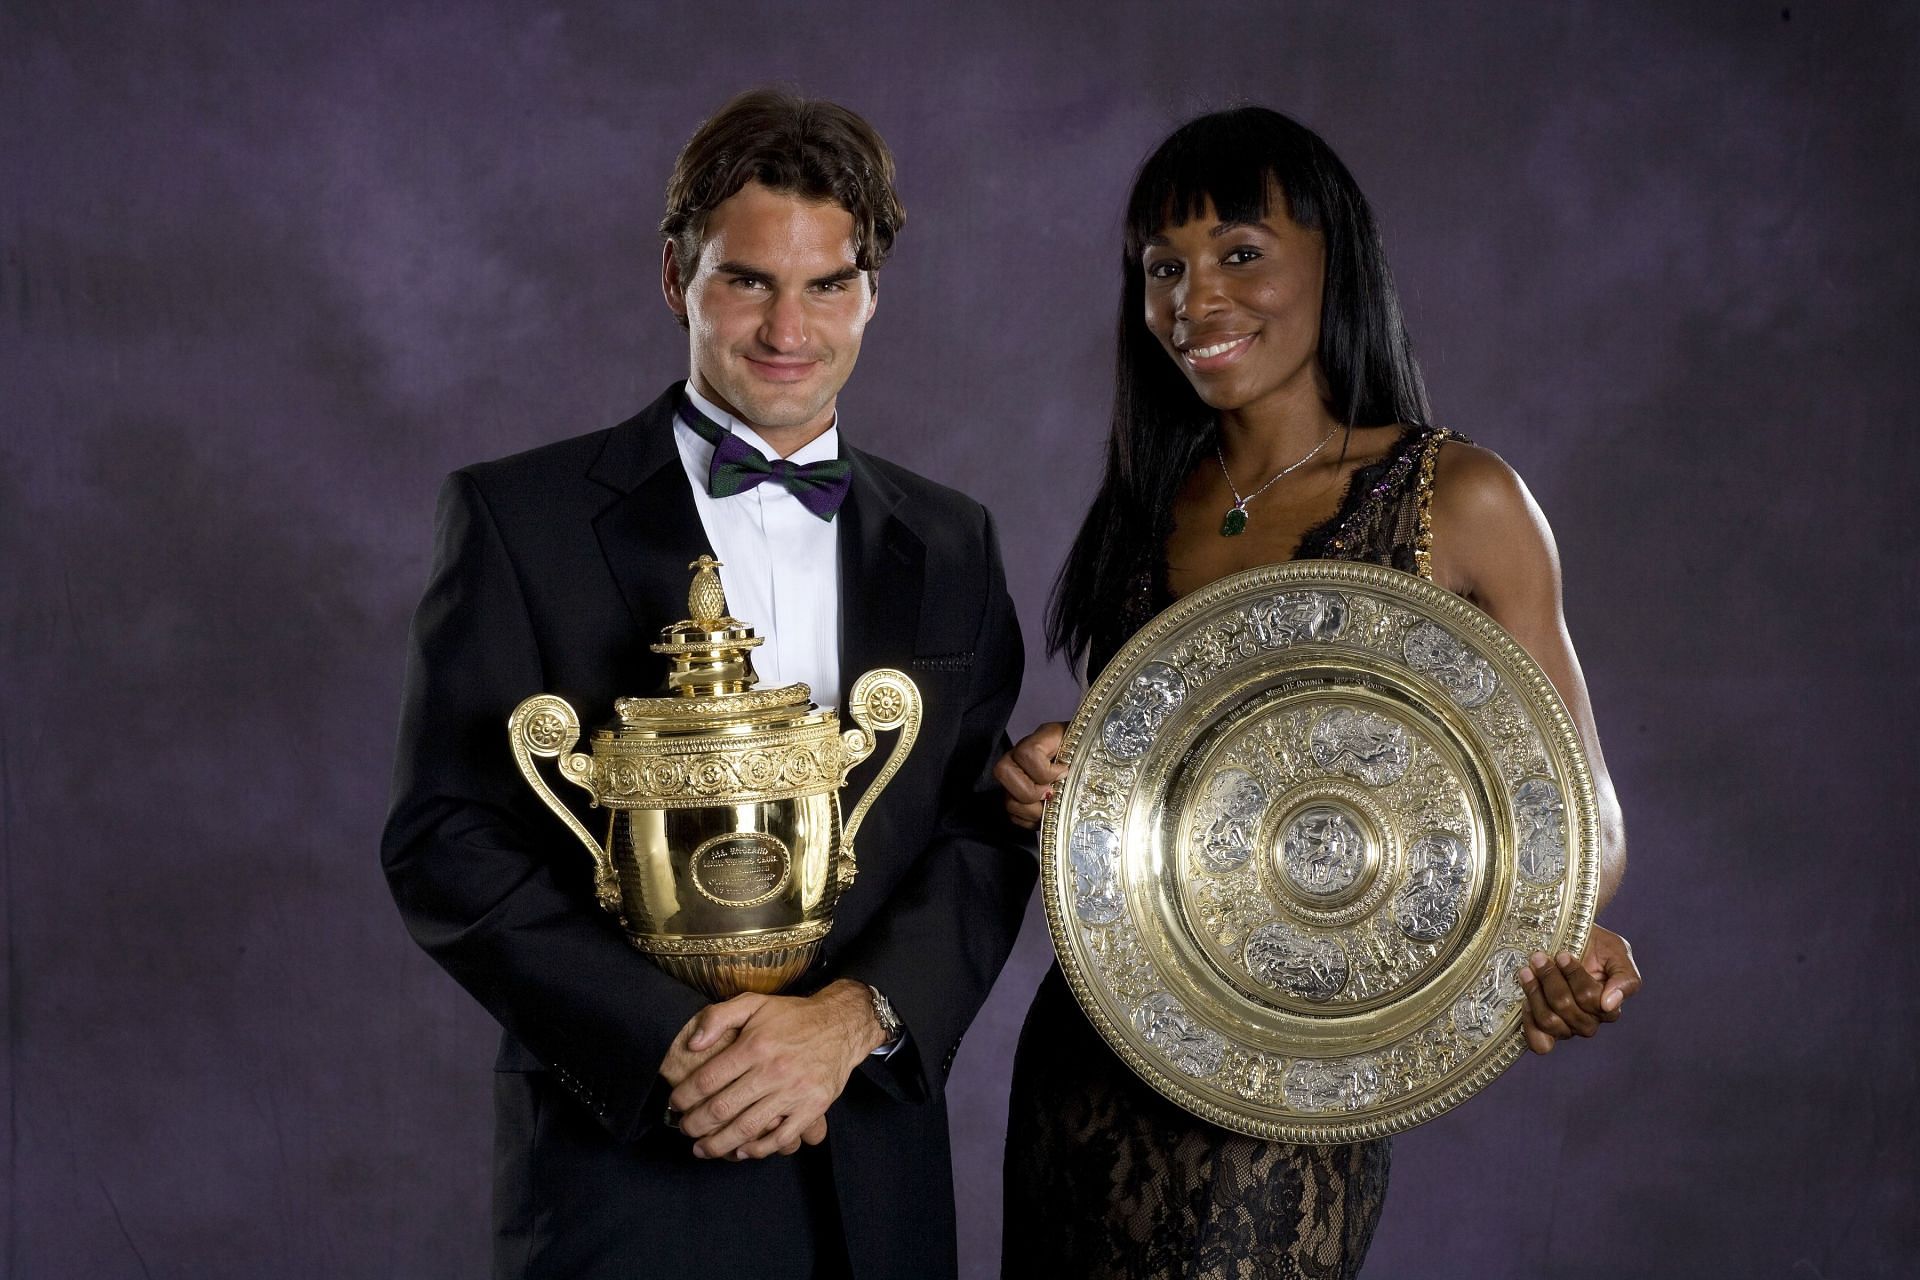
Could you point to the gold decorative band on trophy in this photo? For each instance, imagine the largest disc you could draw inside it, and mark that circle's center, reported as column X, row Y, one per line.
column 724, row 853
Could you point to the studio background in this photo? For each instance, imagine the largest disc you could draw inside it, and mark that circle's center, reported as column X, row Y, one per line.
column 267, row 272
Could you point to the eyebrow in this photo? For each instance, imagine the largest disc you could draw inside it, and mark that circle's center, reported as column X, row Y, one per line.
column 730, row 268
column 1219, row 229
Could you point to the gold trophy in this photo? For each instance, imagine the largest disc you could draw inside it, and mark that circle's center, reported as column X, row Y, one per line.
column 724, row 852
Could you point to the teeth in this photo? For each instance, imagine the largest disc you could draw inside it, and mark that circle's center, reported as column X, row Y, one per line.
column 1218, row 349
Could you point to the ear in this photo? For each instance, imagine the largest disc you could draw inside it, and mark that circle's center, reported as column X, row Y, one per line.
column 671, row 285
column 873, row 293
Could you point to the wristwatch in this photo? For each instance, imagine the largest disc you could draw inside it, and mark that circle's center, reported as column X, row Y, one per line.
column 889, row 1021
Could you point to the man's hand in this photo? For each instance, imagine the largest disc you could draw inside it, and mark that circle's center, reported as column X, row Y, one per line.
column 1568, row 997
column 762, row 1070
column 1027, row 773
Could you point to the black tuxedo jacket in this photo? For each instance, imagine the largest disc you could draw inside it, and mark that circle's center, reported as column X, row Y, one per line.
column 553, row 571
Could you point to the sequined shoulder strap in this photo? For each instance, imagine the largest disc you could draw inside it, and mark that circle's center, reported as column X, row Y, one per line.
column 1423, row 500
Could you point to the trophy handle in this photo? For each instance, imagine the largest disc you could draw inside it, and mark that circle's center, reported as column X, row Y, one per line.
column 546, row 726
column 881, row 699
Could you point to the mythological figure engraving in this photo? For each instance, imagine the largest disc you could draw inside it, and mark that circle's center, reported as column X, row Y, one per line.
column 1193, row 1049
column 1338, row 1084
column 1323, row 851
column 1140, row 711
column 1296, row 616
column 1306, row 965
column 1479, row 1013
column 1361, row 744
column 1234, row 802
column 1094, row 851
column 1427, row 905
column 1541, row 817
column 1437, row 653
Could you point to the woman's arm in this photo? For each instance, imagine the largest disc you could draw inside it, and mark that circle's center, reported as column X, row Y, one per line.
column 1492, row 544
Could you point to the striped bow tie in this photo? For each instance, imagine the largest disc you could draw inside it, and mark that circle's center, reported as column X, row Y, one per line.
column 738, row 466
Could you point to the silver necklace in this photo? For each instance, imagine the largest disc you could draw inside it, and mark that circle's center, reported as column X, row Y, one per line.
column 1236, row 517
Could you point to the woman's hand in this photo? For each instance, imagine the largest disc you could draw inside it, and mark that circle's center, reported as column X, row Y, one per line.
column 1568, row 997
column 1027, row 773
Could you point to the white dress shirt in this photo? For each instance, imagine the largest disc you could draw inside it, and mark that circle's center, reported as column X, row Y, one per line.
column 781, row 562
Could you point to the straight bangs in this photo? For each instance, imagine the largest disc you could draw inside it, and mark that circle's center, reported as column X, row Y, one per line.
column 1231, row 164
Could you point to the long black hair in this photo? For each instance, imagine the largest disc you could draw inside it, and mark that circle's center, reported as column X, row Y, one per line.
column 1161, row 428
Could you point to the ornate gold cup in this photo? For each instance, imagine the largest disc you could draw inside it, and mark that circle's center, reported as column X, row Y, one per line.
column 724, row 852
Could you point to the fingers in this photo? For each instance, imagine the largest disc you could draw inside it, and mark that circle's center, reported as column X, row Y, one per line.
column 784, row 1138
column 681, row 1062
column 1027, row 773
column 1586, row 989
column 1540, row 1017
column 752, row 1126
column 729, row 1015
column 1026, row 798
column 1037, row 753
column 1559, row 996
column 1538, row 1041
column 815, row 1133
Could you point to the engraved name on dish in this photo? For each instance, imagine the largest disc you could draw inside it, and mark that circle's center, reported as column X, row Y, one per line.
column 1323, row 851
column 1094, row 851
column 1141, row 710
column 1338, row 1084
column 1427, row 906
column 1540, row 816
column 1361, row 744
column 1230, row 817
column 1479, row 1013
column 1298, row 615
column 1193, row 1049
column 1306, row 965
column 1437, row 653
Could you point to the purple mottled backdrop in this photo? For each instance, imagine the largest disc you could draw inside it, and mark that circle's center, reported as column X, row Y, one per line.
column 268, row 271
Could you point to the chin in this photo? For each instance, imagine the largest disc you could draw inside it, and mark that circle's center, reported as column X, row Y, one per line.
column 781, row 411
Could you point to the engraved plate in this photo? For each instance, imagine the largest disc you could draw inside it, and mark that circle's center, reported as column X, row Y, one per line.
column 1310, row 966
column 1153, row 695
column 1361, row 744
column 1339, row 1085
column 1323, row 851
column 1235, row 800
column 1190, row 1047
column 1437, row 653
column 1479, row 1013
column 1541, row 819
column 1427, row 906
column 741, row 868
column 1095, row 854
column 1298, row 616
column 1314, row 815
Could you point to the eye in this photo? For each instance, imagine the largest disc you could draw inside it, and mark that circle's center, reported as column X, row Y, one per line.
column 1163, row 269
column 749, row 282
column 1243, row 254
column 832, row 286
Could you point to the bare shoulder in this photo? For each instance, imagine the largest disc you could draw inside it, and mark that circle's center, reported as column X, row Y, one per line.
column 1486, row 525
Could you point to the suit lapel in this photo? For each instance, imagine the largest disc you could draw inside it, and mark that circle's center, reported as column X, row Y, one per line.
column 651, row 531
column 882, row 567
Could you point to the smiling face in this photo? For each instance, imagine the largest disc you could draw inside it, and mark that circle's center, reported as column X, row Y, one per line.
column 775, row 310
column 1237, row 306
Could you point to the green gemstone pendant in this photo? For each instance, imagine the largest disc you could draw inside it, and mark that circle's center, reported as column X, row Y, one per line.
column 1236, row 521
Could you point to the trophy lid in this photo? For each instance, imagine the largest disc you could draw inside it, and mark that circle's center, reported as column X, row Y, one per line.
column 709, row 649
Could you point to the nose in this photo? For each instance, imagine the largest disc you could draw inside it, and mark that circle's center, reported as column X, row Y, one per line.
column 1198, row 295
column 783, row 327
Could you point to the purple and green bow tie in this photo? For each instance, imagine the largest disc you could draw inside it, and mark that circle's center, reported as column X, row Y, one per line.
column 738, row 466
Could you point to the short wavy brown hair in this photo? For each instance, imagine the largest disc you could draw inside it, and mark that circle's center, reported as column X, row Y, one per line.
column 807, row 147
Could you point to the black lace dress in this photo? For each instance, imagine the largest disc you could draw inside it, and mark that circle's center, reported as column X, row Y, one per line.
column 1104, row 1177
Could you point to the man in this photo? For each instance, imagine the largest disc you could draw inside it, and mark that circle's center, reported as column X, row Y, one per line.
column 641, row 1131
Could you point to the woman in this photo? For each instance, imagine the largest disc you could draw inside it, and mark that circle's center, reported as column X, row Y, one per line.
column 1267, row 408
